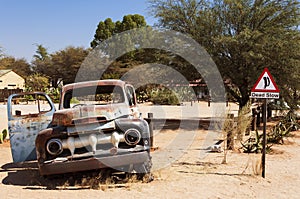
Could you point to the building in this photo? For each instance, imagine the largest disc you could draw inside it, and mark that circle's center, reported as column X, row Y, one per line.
column 10, row 82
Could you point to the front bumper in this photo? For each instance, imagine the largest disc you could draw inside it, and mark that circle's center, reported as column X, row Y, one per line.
column 93, row 163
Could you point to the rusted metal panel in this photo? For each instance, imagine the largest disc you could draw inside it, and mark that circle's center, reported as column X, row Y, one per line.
column 23, row 129
column 89, row 114
column 93, row 163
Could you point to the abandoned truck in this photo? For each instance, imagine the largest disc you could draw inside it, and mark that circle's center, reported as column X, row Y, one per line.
column 97, row 126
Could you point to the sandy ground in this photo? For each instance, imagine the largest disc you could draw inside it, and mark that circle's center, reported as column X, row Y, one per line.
column 182, row 169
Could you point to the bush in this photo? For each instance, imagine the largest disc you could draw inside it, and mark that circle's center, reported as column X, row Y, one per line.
column 3, row 135
column 164, row 96
column 276, row 135
column 283, row 128
column 254, row 144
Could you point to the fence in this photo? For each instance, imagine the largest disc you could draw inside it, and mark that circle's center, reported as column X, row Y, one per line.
column 4, row 93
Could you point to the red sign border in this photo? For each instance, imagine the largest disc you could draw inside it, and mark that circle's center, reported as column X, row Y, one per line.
column 266, row 70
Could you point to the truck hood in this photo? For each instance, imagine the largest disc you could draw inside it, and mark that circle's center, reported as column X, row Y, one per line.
column 89, row 114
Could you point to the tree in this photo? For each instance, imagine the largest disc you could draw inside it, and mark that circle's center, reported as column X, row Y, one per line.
column 41, row 53
column 67, row 62
column 41, row 63
column 242, row 36
column 61, row 65
column 108, row 28
column 37, row 82
column 1, row 52
column 20, row 66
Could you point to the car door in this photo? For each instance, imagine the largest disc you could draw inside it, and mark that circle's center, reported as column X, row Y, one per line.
column 28, row 113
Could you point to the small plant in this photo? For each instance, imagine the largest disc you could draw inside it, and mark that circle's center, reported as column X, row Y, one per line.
column 290, row 121
column 283, row 128
column 254, row 144
column 279, row 132
column 3, row 135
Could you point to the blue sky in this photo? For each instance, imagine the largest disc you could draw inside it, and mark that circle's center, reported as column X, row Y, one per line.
column 57, row 24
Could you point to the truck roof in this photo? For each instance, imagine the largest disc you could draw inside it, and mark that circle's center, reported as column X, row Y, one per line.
column 113, row 82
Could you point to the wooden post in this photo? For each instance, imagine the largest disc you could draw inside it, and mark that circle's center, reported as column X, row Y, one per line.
column 263, row 157
column 150, row 117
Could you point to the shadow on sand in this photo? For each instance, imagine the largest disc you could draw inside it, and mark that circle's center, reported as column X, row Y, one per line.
column 27, row 175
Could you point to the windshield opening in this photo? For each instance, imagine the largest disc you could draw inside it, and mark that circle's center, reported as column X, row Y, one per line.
column 93, row 95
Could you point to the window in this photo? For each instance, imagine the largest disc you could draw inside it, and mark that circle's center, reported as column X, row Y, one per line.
column 130, row 93
column 99, row 95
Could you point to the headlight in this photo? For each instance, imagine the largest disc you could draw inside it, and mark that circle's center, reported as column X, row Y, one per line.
column 132, row 136
column 54, row 146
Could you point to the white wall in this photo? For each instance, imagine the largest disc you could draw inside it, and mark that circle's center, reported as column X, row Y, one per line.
column 11, row 78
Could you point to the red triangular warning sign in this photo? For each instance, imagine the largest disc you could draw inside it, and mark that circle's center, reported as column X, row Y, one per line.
column 265, row 83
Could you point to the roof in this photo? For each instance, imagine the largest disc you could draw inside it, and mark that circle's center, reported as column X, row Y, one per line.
column 3, row 72
column 112, row 82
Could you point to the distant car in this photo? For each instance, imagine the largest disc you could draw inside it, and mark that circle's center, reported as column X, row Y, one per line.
column 97, row 126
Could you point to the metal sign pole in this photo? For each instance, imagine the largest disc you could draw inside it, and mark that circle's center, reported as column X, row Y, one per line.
column 263, row 157
column 265, row 87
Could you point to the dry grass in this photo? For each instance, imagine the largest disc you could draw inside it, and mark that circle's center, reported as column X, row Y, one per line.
column 99, row 180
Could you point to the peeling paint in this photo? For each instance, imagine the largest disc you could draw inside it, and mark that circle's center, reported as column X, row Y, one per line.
column 24, row 129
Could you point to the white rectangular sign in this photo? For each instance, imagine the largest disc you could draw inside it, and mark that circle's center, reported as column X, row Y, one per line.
column 270, row 95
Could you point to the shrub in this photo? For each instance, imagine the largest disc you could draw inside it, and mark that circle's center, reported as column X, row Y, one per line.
column 164, row 96
column 254, row 144
column 3, row 135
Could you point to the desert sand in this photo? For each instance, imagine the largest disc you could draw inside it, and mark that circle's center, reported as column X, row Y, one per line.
column 182, row 168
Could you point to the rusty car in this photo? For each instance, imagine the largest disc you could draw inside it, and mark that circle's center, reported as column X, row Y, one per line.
column 97, row 125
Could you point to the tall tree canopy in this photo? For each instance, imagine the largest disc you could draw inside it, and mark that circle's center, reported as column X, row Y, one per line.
column 41, row 53
column 20, row 66
column 243, row 37
column 62, row 64
column 108, row 28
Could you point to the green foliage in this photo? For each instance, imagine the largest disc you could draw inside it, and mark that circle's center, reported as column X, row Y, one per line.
column 242, row 37
column 142, row 96
column 54, row 94
column 41, row 53
column 74, row 100
column 108, row 28
column 283, row 128
column 163, row 96
column 62, row 64
column 253, row 144
column 19, row 66
column 37, row 82
column 276, row 135
column 3, row 135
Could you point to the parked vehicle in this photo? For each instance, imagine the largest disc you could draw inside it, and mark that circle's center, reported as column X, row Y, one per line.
column 97, row 126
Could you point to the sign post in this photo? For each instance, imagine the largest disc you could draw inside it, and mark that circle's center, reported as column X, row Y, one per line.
column 265, row 88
